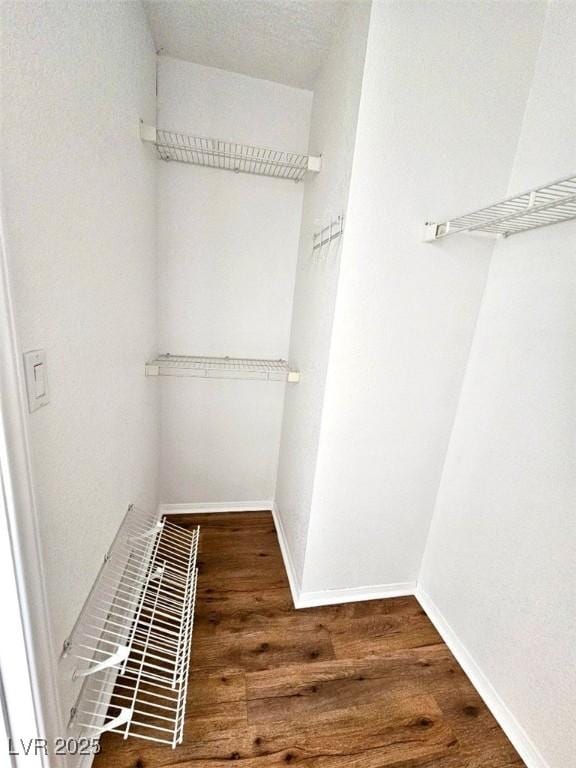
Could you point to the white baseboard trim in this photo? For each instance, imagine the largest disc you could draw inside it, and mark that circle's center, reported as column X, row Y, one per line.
column 509, row 724
column 318, row 598
column 206, row 507
column 293, row 579
column 355, row 594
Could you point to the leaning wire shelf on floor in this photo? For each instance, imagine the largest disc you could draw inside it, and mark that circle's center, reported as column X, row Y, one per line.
column 229, row 155
column 221, row 368
column 130, row 647
column 550, row 204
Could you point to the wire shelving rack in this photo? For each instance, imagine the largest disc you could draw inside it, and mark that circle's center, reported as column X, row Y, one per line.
column 550, row 204
column 229, row 155
column 131, row 642
column 221, row 368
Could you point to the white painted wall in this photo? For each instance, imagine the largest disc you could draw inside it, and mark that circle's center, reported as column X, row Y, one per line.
column 227, row 257
column 332, row 133
column 381, row 330
column 78, row 217
column 445, row 85
column 499, row 563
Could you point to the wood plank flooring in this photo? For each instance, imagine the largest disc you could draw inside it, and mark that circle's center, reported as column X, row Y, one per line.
column 361, row 685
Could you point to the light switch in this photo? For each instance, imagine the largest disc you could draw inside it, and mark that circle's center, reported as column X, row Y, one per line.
column 36, row 379
column 40, row 388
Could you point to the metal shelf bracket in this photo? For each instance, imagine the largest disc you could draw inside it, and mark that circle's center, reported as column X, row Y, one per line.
column 114, row 660
column 147, row 132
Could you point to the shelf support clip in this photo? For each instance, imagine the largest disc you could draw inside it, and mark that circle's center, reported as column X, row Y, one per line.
column 315, row 163
column 120, row 655
column 147, row 132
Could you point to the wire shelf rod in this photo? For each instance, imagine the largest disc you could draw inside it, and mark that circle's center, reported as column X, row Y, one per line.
column 229, row 155
column 541, row 207
column 166, row 631
column 221, row 368
column 137, row 711
column 128, row 677
column 174, row 588
column 145, row 693
column 165, row 658
column 161, row 648
column 183, row 639
column 163, row 707
column 179, row 734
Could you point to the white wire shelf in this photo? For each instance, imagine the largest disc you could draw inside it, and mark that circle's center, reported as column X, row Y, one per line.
column 540, row 207
column 221, row 368
column 131, row 643
column 229, row 155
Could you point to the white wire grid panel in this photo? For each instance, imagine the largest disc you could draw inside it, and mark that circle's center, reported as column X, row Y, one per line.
column 231, row 156
column 125, row 565
column 221, row 368
column 132, row 640
column 328, row 233
column 540, row 207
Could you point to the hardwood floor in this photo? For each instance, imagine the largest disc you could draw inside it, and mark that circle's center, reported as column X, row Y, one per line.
column 361, row 685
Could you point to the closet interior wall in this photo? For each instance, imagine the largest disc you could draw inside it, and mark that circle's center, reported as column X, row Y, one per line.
column 227, row 247
column 78, row 219
column 332, row 133
column 501, row 548
column 438, row 125
column 437, row 379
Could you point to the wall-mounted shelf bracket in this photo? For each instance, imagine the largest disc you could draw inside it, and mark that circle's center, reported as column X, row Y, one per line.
column 123, row 718
column 114, row 660
column 433, row 231
column 147, row 132
column 314, row 163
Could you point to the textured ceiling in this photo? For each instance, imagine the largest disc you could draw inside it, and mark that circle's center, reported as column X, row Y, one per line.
column 280, row 40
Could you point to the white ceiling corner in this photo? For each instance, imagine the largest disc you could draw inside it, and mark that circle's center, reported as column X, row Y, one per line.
column 280, row 40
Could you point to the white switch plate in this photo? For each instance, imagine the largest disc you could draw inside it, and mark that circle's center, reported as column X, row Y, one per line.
column 36, row 379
